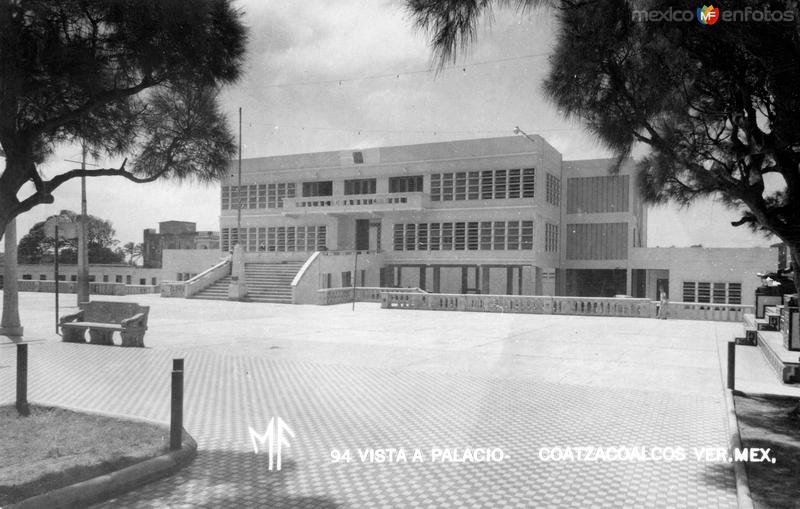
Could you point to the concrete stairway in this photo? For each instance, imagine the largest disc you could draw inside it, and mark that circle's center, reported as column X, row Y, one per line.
column 271, row 282
column 217, row 291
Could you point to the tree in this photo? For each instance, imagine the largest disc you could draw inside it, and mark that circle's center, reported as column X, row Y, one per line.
column 133, row 252
column 37, row 247
column 120, row 77
column 717, row 106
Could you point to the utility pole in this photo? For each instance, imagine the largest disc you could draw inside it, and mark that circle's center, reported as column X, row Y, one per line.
column 239, row 186
column 83, row 251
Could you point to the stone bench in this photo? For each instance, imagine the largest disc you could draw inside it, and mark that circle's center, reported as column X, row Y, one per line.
column 102, row 319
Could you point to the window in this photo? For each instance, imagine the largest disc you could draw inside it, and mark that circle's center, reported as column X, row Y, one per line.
column 499, row 235
column 447, row 236
column 290, row 238
column 358, row 158
column 346, row 281
column 262, row 239
column 300, row 239
column 324, row 188
column 460, row 234
column 252, row 197
column 514, row 186
column 71, row 278
column 321, row 240
column 281, row 239
column 359, row 186
column 551, row 238
column 226, row 197
column 512, row 237
column 271, row 236
column 472, row 236
column 105, row 278
column 461, row 186
column 734, row 293
column 435, row 237
column 718, row 293
column 703, row 292
column 118, row 279
column 689, row 291
column 528, row 182
column 411, row 240
column 447, row 187
column 262, row 196
column 42, row 277
column 500, row 181
column 486, row 235
column 553, row 191
column 153, row 281
column 27, row 277
column 526, row 239
column 486, row 185
column 409, row 184
column 398, row 237
column 422, row 237
column 473, row 185
column 127, row 280
column 252, row 239
column 142, row 281
column 436, row 187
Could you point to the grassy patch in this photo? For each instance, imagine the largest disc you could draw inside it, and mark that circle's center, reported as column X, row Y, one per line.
column 54, row 447
column 764, row 423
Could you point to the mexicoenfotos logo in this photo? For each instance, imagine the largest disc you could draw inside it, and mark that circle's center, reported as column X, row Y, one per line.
column 707, row 15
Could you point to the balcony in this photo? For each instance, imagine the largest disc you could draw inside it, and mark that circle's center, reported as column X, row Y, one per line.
column 370, row 203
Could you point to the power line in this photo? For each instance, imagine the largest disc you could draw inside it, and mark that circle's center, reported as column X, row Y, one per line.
column 278, row 126
column 397, row 75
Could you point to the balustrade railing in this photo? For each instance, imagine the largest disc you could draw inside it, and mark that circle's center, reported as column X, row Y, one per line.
column 330, row 296
column 535, row 304
column 707, row 311
column 207, row 278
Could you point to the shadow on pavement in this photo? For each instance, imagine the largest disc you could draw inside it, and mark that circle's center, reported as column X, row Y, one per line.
column 223, row 478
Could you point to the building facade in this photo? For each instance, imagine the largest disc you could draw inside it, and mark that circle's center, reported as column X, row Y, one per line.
column 496, row 216
column 175, row 235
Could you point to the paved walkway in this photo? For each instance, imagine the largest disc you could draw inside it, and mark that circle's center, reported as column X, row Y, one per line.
column 406, row 379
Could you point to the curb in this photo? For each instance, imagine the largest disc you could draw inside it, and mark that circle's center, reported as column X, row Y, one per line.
column 745, row 501
column 104, row 487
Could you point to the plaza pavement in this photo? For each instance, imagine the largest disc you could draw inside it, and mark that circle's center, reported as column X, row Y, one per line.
column 377, row 378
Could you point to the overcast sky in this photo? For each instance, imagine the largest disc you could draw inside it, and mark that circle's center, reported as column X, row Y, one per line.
column 324, row 75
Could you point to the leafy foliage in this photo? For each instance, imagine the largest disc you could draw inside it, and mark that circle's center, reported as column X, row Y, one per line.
column 122, row 77
column 718, row 106
column 37, row 247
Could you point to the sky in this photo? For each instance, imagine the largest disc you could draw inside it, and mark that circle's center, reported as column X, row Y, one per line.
column 353, row 74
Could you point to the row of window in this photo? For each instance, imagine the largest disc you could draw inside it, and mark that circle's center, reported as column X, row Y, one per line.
column 460, row 236
column 483, row 185
column 118, row 278
column 713, row 293
column 257, row 196
column 276, row 238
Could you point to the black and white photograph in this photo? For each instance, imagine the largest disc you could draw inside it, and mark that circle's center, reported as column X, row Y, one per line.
column 361, row 254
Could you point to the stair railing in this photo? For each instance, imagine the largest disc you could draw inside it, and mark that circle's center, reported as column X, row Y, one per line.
column 207, row 278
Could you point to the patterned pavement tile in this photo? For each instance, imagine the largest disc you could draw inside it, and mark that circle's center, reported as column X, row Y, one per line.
column 351, row 407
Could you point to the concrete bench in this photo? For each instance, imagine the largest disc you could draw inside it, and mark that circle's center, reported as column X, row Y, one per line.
column 102, row 319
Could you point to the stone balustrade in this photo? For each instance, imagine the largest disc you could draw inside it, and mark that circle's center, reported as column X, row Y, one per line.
column 706, row 311
column 534, row 304
column 330, row 296
column 49, row 286
column 538, row 304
